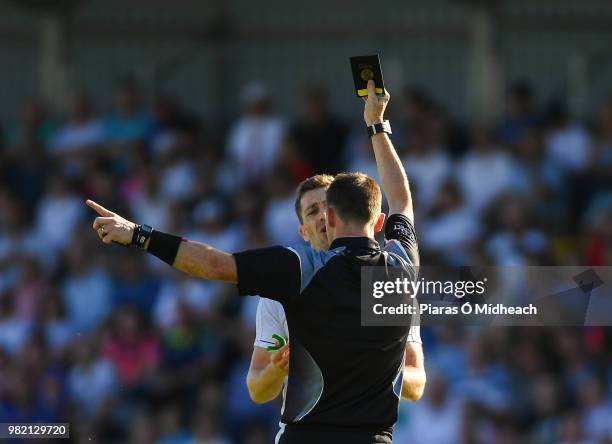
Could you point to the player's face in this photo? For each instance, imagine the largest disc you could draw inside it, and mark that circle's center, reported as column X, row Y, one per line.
column 312, row 229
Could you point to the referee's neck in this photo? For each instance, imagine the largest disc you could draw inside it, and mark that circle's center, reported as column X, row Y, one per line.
column 354, row 232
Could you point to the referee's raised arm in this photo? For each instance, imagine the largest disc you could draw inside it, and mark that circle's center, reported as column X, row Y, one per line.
column 397, row 189
column 195, row 258
column 390, row 169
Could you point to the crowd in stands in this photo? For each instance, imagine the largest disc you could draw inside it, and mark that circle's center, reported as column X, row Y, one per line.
column 127, row 349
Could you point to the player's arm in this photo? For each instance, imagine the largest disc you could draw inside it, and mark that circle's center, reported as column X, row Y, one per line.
column 390, row 169
column 268, row 370
column 273, row 272
column 414, row 372
column 195, row 258
column 267, row 373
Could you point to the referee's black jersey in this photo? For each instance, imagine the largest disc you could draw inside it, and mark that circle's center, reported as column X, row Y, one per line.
column 344, row 379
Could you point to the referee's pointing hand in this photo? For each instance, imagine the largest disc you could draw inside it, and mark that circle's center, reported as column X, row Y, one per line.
column 110, row 226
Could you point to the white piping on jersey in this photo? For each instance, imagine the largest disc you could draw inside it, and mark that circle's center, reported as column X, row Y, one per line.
column 281, row 424
column 280, row 432
column 315, row 403
column 400, row 373
column 299, row 259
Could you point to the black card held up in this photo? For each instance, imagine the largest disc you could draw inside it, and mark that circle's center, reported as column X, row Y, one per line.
column 366, row 68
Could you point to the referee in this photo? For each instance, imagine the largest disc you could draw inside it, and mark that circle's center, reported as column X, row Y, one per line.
column 268, row 370
column 345, row 381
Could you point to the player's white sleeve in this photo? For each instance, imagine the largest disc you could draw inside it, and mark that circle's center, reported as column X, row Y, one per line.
column 270, row 319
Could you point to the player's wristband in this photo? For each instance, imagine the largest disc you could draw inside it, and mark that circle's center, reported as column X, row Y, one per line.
column 383, row 127
column 164, row 246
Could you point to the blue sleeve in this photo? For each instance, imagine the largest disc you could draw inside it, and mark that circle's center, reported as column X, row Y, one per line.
column 311, row 261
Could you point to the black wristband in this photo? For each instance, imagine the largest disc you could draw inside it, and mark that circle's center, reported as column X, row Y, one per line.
column 164, row 246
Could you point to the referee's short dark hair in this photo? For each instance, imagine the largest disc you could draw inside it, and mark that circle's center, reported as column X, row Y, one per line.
column 356, row 197
column 312, row 183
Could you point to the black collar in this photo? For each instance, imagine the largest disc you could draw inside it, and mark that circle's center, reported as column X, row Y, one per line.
column 355, row 242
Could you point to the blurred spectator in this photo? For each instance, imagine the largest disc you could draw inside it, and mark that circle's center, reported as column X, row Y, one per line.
column 146, row 202
column 428, row 166
column 520, row 117
column 448, row 356
column 58, row 214
column 205, row 428
column 517, row 241
column 546, row 401
column 23, row 160
column 418, row 108
column 602, row 156
column 14, row 331
column 486, row 385
column 192, row 352
column 199, row 296
column 101, row 184
column 86, row 291
column 16, row 239
column 360, row 155
column 82, row 130
column 171, row 426
column 254, row 141
column 32, row 287
column 133, row 284
column 568, row 143
column 143, row 430
column 178, row 173
column 577, row 371
column 92, row 382
column 599, row 234
column 597, row 410
column 319, row 136
column 240, row 412
column 572, row 430
column 51, row 396
column 290, row 161
column 279, row 218
column 56, row 328
column 129, row 122
column 534, row 174
column 486, row 171
column 169, row 119
column 19, row 404
column 450, row 228
column 131, row 348
column 35, row 126
column 214, row 226
column 437, row 407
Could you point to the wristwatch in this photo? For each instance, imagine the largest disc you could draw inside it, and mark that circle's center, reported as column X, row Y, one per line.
column 383, row 127
column 142, row 233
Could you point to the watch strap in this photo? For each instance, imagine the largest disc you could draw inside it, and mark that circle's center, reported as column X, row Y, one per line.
column 142, row 233
column 382, row 127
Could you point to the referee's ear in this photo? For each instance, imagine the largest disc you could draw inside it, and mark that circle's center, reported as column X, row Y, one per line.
column 380, row 223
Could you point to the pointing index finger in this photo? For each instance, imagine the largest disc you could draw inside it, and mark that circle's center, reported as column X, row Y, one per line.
column 98, row 208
